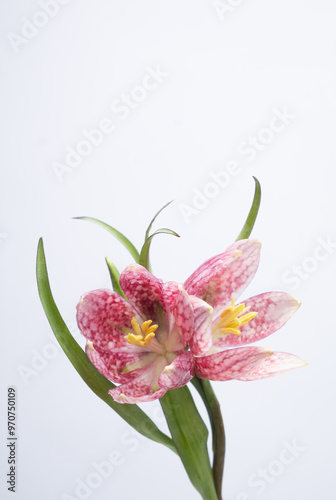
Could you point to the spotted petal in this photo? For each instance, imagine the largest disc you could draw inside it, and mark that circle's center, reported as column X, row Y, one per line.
column 274, row 310
column 230, row 364
column 143, row 290
column 142, row 388
column 103, row 317
column 120, row 365
column 226, row 275
column 97, row 360
column 179, row 312
column 201, row 341
column 279, row 362
column 178, row 373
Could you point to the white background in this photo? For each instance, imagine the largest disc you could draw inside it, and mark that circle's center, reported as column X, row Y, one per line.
column 226, row 73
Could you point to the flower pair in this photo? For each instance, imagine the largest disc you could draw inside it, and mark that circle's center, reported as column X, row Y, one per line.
column 165, row 333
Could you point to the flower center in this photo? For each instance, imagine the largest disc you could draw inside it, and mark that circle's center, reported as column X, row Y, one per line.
column 143, row 335
column 233, row 317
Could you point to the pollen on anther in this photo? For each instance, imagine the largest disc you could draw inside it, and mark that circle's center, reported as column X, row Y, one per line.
column 143, row 335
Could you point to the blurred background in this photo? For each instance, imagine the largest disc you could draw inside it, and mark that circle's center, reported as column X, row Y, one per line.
column 111, row 109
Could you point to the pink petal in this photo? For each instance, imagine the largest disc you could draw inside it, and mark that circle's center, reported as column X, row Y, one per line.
column 120, row 366
column 231, row 364
column 143, row 290
column 201, row 341
column 178, row 373
column 274, row 310
column 279, row 362
column 226, row 275
column 97, row 360
column 142, row 388
column 179, row 312
column 102, row 317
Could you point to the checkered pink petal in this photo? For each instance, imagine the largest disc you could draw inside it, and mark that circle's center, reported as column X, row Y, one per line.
column 142, row 388
column 201, row 341
column 279, row 362
column 226, row 275
column 120, row 365
column 178, row 308
column 178, row 373
column 102, row 315
column 143, row 290
column 230, row 364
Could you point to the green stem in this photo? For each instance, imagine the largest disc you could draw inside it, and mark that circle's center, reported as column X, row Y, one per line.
column 212, row 405
column 190, row 437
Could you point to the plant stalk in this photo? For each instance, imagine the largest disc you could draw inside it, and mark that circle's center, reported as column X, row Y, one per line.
column 212, row 405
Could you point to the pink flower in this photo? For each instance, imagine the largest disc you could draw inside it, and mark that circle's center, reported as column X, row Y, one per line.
column 219, row 282
column 140, row 343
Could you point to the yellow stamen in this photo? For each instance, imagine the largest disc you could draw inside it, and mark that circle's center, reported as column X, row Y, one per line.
column 233, row 317
column 144, row 334
column 153, row 328
column 146, row 325
column 245, row 319
column 233, row 331
column 136, row 327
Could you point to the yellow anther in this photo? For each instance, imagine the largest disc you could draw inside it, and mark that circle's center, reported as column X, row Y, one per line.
column 233, row 317
column 149, row 337
column 145, row 325
column 233, row 331
column 152, row 328
column 232, row 312
column 136, row 327
column 135, row 339
column 143, row 335
column 235, row 323
column 245, row 319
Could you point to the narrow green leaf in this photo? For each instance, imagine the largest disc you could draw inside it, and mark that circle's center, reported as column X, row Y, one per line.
column 125, row 241
column 190, row 437
column 115, row 275
column 91, row 376
column 251, row 218
column 155, row 216
column 144, row 254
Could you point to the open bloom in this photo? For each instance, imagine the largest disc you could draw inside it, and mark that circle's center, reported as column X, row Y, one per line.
column 140, row 342
column 219, row 282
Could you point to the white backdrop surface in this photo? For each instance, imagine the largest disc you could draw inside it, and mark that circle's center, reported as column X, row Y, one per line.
column 191, row 98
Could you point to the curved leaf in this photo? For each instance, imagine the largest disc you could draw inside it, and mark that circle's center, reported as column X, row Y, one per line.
column 251, row 218
column 190, row 437
column 91, row 376
column 115, row 275
column 125, row 241
column 144, row 254
column 155, row 216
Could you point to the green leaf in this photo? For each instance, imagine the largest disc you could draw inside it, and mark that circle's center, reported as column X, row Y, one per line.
column 251, row 218
column 91, row 376
column 115, row 275
column 190, row 437
column 125, row 241
column 155, row 216
column 144, row 254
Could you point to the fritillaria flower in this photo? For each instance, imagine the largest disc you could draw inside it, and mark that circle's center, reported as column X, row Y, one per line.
column 140, row 342
column 219, row 282
column 150, row 337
